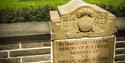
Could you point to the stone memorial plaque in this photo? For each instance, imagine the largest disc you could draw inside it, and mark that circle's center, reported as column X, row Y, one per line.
column 84, row 50
column 82, row 33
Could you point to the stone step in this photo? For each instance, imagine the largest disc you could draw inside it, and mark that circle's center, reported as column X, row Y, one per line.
column 120, row 50
column 120, row 38
column 46, row 58
column 120, row 62
column 120, row 57
column 24, row 31
column 29, row 52
column 41, row 62
column 120, row 44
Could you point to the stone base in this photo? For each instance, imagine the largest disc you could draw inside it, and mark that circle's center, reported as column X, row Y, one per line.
column 84, row 50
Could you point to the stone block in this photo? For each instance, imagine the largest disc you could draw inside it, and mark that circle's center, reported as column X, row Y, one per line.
column 29, row 31
column 8, row 46
column 47, row 44
column 120, row 57
column 120, row 51
column 120, row 44
column 35, row 44
column 3, row 54
column 78, row 17
column 10, row 60
column 31, row 44
column 46, row 57
column 29, row 52
column 84, row 50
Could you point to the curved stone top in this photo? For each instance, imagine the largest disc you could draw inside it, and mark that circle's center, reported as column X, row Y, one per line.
column 75, row 4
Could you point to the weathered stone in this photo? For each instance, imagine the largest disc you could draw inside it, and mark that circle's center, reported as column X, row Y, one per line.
column 39, row 58
column 120, row 57
column 120, row 38
column 85, row 24
column 120, row 51
column 10, row 60
column 8, row 46
column 22, row 29
column 83, row 32
column 29, row 52
column 78, row 16
column 55, row 21
column 33, row 44
column 84, row 50
column 29, row 31
column 47, row 43
column 120, row 44
column 55, row 16
column 3, row 54
column 120, row 23
column 120, row 62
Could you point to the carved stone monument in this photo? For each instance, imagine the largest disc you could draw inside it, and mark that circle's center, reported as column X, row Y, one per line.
column 82, row 33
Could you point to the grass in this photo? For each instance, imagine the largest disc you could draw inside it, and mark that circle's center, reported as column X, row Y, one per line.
column 21, row 4
column 12, row 11
column 17, row 4
column 114, row 3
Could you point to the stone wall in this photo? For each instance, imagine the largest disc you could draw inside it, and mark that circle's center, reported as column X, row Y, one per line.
column 39, row 51
column 33, row 51
column 25, row 43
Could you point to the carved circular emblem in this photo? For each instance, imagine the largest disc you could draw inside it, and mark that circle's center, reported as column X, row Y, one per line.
column 85, row 24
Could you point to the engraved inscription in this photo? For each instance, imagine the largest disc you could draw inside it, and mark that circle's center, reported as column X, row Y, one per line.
column 84, row 50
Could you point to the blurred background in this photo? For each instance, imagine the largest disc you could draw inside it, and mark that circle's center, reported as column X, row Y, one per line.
column 12, row 11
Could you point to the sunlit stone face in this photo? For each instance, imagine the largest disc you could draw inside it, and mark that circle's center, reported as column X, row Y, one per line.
column 85, row 24
column 78, row 19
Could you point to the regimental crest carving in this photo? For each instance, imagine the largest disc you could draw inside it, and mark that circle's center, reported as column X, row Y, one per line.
column 79, row 19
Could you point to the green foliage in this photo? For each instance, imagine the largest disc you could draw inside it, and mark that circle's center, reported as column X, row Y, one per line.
column 25, row 14
column 119, row 11
column 18, row 4
column 12, row 11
